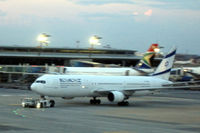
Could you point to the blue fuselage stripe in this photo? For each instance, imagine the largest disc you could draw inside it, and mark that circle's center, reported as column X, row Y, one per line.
column 162, row 72
column 170, row 54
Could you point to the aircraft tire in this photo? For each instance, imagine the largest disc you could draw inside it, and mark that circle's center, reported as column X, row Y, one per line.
column 52, row 103
column 95, row 101
column 126, row 103
column 42, row 105
column 123, row 103
column 98, row 101
column 91, row 101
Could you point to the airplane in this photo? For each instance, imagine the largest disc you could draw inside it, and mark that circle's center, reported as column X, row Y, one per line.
column 185, row 73
column 146, row 61
column 193, row 71
column 144, row 67
column 116, row 88
column 178, row 74
column 178, row 62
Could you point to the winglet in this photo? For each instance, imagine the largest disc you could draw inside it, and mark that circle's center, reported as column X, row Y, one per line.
column 164, row 68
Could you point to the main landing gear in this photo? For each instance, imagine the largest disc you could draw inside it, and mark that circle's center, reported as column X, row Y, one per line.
column 123, row 103
column 95, row 101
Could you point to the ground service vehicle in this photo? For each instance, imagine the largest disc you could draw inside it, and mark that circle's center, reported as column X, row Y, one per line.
column 37, row 103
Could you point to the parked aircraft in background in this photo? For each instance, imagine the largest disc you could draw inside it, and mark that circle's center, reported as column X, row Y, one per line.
column 178, row 74
column 144, row 67
column 146, row 61
column 193, row 71
column 191, row 61
column 116, row 88
column 185, row 74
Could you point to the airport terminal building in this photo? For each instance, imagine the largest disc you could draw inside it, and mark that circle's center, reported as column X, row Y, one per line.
column 63, row 56
column 17, row 62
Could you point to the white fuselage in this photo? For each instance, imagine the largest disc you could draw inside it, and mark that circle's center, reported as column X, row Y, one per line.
column 195, row 70
column 86, row 85
column 105, row 71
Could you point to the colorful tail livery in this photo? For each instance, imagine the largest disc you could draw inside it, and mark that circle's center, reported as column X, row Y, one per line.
column 145, row 62
column 164, row 68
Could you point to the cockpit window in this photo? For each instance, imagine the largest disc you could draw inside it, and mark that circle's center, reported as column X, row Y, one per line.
column 40, row 81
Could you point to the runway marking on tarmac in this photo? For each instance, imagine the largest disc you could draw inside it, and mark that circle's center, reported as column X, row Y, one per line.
column 18, row 112
column 12, row 95
column 6, row 95
column 118, row 132
column 14, row 104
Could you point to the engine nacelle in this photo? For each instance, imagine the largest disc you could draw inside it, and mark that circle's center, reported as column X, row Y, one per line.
column 116, row 96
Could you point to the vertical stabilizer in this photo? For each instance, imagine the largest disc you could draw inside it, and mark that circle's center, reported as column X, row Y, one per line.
column 164, row 68
column 145, row 62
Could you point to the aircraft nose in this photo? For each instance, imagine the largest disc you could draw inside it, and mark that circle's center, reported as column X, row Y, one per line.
column 33, row 87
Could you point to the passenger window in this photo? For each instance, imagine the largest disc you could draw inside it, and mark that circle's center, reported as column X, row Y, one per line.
column 179, row 72
column 37, row 81
column 41, row 81
column 173, row 72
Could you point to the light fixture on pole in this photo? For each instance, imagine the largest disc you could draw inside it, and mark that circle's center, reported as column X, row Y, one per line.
column 43, row 39
column 94, row 40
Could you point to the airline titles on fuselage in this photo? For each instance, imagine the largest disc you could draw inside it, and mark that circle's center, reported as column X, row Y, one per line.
column 64, row 82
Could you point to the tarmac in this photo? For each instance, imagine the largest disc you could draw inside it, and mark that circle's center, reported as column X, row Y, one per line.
column 170, row 111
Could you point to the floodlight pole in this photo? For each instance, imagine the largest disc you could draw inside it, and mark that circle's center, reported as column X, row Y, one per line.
column 43, row 40
column 93, row 40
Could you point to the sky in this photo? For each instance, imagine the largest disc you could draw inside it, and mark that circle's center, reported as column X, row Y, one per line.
column 122, row 24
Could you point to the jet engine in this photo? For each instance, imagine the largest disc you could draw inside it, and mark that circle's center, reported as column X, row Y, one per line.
column 116, row 96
